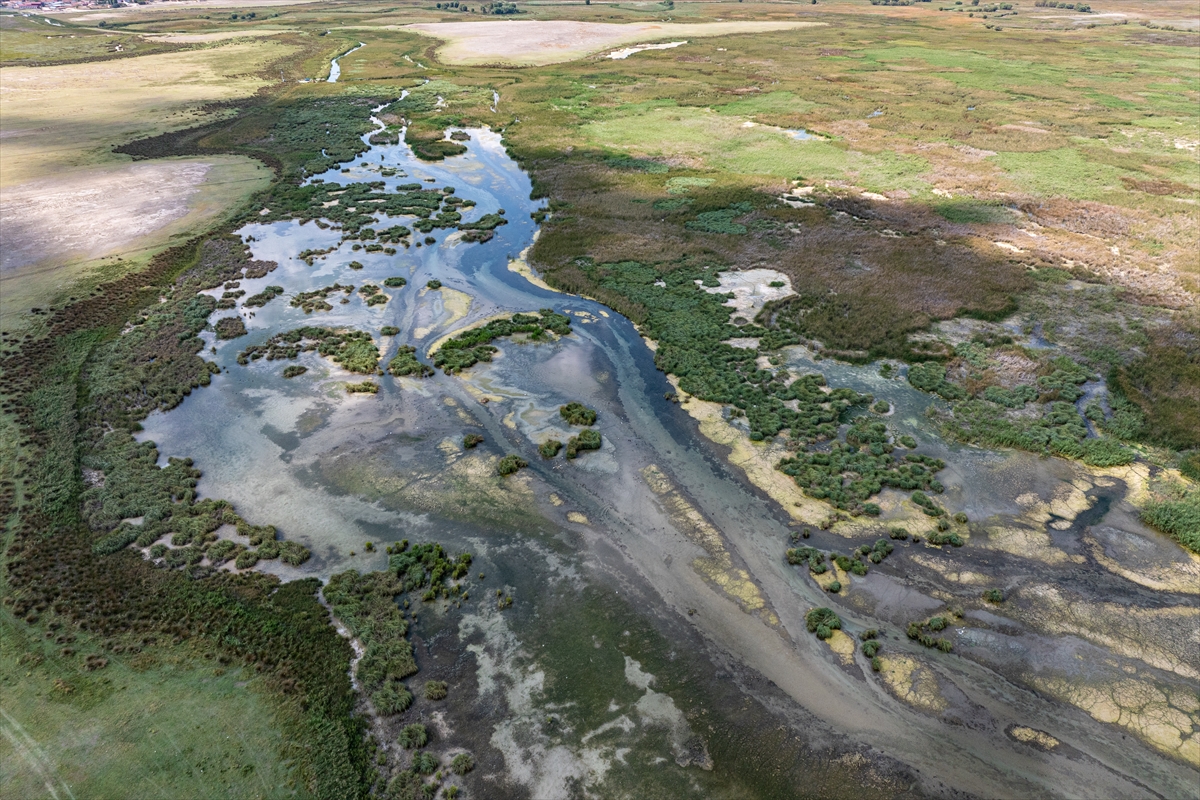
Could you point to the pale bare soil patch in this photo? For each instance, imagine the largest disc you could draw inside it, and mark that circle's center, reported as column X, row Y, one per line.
column 536, row 43
column 56, row 230
column 94, row 212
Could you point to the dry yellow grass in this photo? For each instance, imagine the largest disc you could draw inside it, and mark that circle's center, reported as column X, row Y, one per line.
column 70, row 116
column 537, row 43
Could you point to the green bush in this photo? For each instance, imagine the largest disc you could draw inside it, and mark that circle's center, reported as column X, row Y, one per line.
column 907, row 441
column 588, row 439
column 993, row 596
column 389, row 330
column 882, row 407
column 424, row 763
column 405, row 363
column 1179, row 517
column 870, row 648
column 366, row 387
column 413, row 736
column 823, row 622
column 435, row 690
column 294, row 371
column 462, row 763
column 472, row 440
column 834, row 587
column 434, row 284
column 510, row 464
column 550, row 448
column 229, row 327
column 394, row 282
column 578, row 414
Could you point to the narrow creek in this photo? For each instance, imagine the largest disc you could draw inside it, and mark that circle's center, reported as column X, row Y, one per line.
column 335, row 69
column 336, row 471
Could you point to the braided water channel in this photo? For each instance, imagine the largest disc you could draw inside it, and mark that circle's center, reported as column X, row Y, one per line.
column 657, row 643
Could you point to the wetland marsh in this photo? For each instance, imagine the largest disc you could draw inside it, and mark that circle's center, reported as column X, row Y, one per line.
column 704, row 455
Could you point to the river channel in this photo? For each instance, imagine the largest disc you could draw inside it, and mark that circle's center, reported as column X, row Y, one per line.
column 657, row 643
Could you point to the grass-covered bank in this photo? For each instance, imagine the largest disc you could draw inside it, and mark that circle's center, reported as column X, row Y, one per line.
column 75, row 397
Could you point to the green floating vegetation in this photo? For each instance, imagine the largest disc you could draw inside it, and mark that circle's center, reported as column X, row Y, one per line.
column 550, row 448
column 405, row 363
column 588, row 439
column 470, row 347
column 366, row 387
column 510, row 464
column 354, row 350
column 472, row 440
column 262, row 298
column 395, row 282
column 229, row 327
column 823, row 622
column 355, row 265
column 578, row 414
column 294, row 371
column 318, row 299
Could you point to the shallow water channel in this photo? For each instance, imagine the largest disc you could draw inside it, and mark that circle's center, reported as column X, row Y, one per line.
column 657, row 642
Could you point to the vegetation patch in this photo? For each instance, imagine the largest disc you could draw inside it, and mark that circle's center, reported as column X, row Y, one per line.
column 578, row 414
column 262, row 298
column 405, row 364
column 470, row 347
column 510, row 464
column 823, row 622
column 318, row 299
column 229, row 327
column 588, row 439
column 354, row 350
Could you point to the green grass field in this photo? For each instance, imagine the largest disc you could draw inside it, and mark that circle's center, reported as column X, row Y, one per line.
column 156, row 724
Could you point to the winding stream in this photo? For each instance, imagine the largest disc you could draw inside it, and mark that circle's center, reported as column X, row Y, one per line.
column 335, row 472
column 335, row 69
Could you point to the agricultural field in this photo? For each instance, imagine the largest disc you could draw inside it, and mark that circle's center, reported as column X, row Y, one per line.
column 600, row 399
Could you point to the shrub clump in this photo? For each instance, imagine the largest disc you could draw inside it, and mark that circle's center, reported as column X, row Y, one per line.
column 993, row 596
column 262, row 298
column 294, row 371
column 588, row 439
column 366, row 387
column 823, row 622
column 230, row 327
column 550, row 448
column 395, row 282
column 405, row 363
column 413, row 736
column 472, row 440
column 462, row 763
column 578, row 414
column 510, row 464
column 435, row 690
